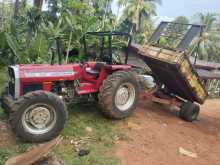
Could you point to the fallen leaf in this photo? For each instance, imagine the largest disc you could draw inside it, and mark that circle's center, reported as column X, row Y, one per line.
column 88, row 129
column 132, row 125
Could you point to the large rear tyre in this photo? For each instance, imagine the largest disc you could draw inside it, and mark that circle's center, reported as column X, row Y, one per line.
column 118, row 95
column 38, row 116
column 189, row 111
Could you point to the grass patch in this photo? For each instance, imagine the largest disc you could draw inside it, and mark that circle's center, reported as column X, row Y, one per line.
column 102, row 135
column 3, row 115
column 3, row 78
column 3, row 83
column 7, row 152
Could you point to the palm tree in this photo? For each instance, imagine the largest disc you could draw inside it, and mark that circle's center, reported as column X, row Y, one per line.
column 137, row 10
column 121, row 3
column 206, row 19
column 207, row 41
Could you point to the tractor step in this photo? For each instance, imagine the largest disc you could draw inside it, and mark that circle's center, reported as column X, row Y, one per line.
column 86, row 88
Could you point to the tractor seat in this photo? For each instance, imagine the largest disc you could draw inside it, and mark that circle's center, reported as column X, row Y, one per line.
column 92, row 71
column 96, row 69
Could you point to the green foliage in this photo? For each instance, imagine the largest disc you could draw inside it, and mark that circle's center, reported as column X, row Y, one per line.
column 137, row 18
column 38, row 50
column 3, row 78
column 5, row 154
column 181, row 20
column 3, row 84
column 68, row 21
column 209, row 42
column 22, row 147
column 13, row 44
column 6, row 10
column 52, row 30
column 2, row 40
column 3, row 116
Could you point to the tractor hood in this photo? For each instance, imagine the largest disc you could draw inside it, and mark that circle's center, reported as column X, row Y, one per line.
column 45, row 71
column 40, row 73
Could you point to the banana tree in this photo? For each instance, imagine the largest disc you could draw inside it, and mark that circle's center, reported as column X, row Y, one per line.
column 54, row 32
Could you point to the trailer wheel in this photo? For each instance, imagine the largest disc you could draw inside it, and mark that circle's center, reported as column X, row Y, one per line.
column 38, row 116
column 118, row 95
column 189, row 111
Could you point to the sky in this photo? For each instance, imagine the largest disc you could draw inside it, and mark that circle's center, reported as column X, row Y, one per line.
column 170, row 9
column 174, row 8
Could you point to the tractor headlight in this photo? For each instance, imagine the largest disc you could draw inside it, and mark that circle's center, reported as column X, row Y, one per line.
column 14, row 83
column 11, row 75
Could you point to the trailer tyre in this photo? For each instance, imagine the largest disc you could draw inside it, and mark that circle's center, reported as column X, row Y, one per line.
column 118, row 95
column 189, row 111
column 38, row 116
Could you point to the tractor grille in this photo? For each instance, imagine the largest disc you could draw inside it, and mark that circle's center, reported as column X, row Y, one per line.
column 11, row 84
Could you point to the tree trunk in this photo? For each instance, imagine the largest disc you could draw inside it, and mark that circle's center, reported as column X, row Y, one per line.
column 132, row 30
column 38, row 4
column 117, row 19
column 29, row 34
column 16, row 8
column 68, row 48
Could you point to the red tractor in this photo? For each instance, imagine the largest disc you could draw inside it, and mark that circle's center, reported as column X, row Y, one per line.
column 37, row 93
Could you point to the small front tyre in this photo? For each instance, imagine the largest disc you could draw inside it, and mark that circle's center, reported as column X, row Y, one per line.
column 38, row 116
column 6, row 101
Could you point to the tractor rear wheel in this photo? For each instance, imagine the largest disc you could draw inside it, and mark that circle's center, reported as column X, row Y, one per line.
column 189, row 111
column 38, row 116
column 118, row 95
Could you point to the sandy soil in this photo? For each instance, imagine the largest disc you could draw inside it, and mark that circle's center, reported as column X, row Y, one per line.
column 156, row 134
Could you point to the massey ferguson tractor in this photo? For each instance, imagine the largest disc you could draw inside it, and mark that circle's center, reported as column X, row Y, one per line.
column 36, row 96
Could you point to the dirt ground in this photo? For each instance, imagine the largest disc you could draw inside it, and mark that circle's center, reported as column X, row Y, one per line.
column 156, row 134
column 7, row 138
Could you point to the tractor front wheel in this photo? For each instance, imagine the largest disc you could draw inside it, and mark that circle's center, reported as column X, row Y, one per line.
column 118, row 95
column 6, row 101
column 38, row 116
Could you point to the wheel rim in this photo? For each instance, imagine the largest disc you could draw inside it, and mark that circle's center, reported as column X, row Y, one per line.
column 195, row 113
column 39, row 119
column 125, row 96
